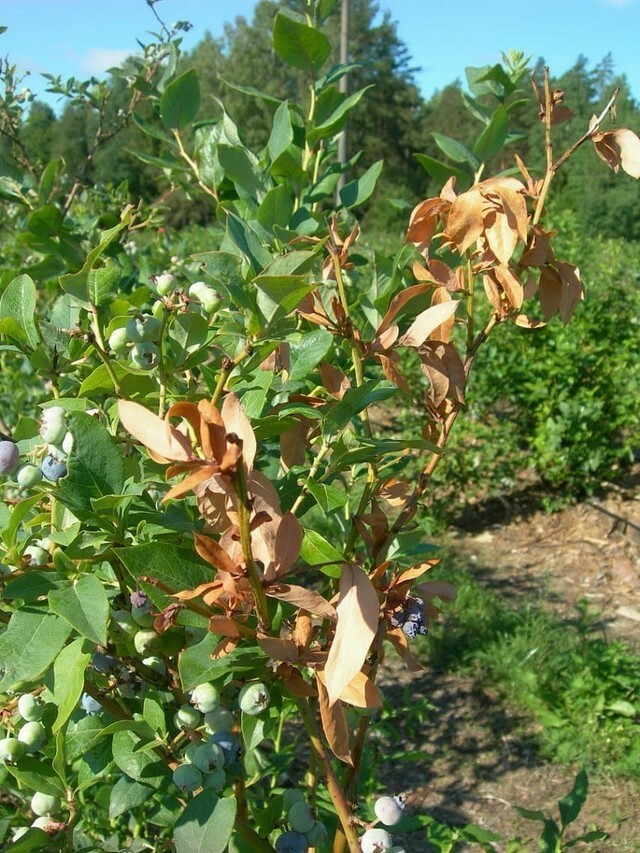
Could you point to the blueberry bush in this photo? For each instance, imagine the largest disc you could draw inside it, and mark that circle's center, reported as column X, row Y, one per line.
column 208, row 531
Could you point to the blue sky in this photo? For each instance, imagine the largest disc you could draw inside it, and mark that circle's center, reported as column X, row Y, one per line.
column 83, row 37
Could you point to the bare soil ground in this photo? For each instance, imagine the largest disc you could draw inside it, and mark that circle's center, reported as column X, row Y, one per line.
column 480, row 759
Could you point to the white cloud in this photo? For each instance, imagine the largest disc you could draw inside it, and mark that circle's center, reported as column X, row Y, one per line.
column 97, row 60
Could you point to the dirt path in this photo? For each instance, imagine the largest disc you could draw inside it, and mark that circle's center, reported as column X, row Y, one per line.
column 476, row 759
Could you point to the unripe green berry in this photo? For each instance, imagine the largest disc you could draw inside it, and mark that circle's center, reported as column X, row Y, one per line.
column 208, row 756
column 301, row 817
column 33, row 736
column 28, row 476
column 205, row 697
column 45, row 823
column 218, row 720
column 144, row 328
column 144, row 356
column 156, row 664
column 163, row 284
column 254, row 698
column 187, row 717
column 124, row 622
column 206, row 296
column 53, row 425
column 44, row 804
column 187, row 778
column 11, row 750
column 291, row 796
column 146, row 641
column 317, row 835
column 119, row 341
column 29, row 708
column 215, row 780
column 34, row 555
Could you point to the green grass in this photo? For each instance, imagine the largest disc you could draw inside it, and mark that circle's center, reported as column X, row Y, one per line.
column 582, row 691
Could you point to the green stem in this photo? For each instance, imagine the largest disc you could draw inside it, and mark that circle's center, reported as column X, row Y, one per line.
column 244, row 521
column 100, row 348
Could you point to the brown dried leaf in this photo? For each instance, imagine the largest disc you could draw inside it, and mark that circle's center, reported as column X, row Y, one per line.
column 424, row 221
column 361, row 692
column 235, row 421
column 189, row 483
column 619, row 147
column 278, row 649
column 539, row 251
column 287, row 544
column 572, row 289
column 400, row 643
column 511, row 285
column 398, row 302
column 293, row 443
column 225, row 626
column 393, row 372
column 212, row 429
column 303, row 631
column 437, row 589
column 425, row 323
column 501, row 237
column 334, row 724
column 527, row 322
column 357, row 611
column 444, row 331
column 306, row 599
column 211, row 552
column 550, row 291
column 334, row 380
column 465, row 221
column 443, row 367
column 294, row 682
column 156, row 434
column 416, row 571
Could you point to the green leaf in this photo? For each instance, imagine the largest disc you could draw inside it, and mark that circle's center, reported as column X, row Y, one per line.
column 175, row 567
column 77, row 284
column 30, row 644
column 68, row 680
column 127, row 795
column 276, row 208
column 587, row 838
column 309, row 352
column 85, row 607
column 181, row 101
column 329, row 498
column 280, row 294
column 37, row 775
column 317, row 551
column 358, row 191
column 571, row 805
column 455, row 150
column 32, row 585
column 253, row 92
column 479, row 84
column 138, row 765
column 439, row 171
column 621, row 706
column 18, row 515
column 281, row 135
column 299, row 44
column 206, row 824
column 102, row 282
column 334, row 119
column 493, row 137
column 252, row 731
column 95, row 467
column 154, row 715
column 18, row 311
column 196, row 666
column 354, row 401
column 241, row 167
column 530, row 814
column 247, row 241
column 33, row 839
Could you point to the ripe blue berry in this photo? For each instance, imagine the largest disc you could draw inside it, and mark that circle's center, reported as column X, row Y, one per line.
column 9, row 457
column 53, row 469
column 389, row 810
column 291, row 842
column 229, row 744
column 90, row 705
column 376, row 841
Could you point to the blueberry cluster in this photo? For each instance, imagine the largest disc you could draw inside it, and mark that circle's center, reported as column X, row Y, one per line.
column 30, row 739
column 138, row 339
column 305, row 830
column 212, row 745
column 59, row 441
column 411, row 618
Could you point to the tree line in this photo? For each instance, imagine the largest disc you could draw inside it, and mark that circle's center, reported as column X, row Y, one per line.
column 393, row 121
